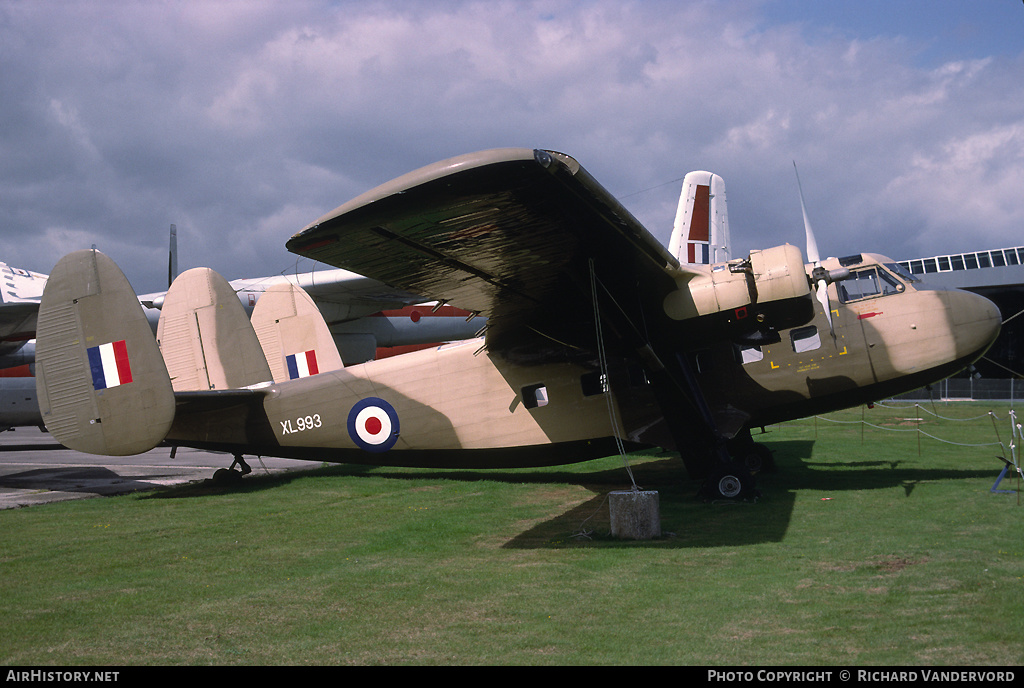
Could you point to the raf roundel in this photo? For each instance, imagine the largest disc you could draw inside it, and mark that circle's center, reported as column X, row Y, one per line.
column 373, row 425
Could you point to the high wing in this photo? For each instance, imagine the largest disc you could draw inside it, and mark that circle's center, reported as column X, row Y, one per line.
column 523, row 237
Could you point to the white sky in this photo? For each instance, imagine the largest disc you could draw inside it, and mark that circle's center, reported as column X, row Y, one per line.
column 240, row 122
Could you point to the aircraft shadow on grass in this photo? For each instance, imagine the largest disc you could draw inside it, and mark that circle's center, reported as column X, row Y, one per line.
column 96, row 480
column 686, row 519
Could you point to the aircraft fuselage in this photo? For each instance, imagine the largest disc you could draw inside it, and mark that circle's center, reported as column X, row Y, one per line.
column 448, row 406
column 458, row 405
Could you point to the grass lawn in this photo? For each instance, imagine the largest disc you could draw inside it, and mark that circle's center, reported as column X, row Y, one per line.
column 871, row 545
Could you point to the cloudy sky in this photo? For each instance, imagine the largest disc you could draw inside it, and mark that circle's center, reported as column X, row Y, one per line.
column 240, row 122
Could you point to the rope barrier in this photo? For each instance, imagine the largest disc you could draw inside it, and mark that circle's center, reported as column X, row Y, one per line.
column 1015, row 429
column 1009, row 453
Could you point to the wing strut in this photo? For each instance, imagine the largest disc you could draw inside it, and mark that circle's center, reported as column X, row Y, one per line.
column 602, row 359
column 691, row 423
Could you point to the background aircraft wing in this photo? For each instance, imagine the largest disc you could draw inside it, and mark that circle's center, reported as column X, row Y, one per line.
column 513, row 234
column 17, row 324
column 19, row 304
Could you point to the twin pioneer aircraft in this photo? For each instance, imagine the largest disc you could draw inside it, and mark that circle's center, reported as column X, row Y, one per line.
column 598, row 340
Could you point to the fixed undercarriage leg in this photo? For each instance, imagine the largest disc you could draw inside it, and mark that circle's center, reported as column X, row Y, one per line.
column 755, row 456
column 243, row 467
column 229, row 474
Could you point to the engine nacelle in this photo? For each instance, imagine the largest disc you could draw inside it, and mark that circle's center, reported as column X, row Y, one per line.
column 769, row 275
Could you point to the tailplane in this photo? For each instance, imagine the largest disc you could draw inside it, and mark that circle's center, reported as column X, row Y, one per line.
column 101, row 382
column 295, row 339
column 205, row 336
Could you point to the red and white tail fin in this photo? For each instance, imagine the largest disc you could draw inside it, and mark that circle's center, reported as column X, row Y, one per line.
column 700, row 234
column 100, row 379
column 295, row 339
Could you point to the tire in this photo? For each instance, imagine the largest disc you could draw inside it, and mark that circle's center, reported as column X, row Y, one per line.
column 226, row 476
column 757, row 458
column 729, row 481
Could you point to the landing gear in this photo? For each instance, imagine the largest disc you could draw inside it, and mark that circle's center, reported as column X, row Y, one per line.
column 755, row 456
column 229, row 475
column 734, row 478
column 730, row 480
column 242, row 465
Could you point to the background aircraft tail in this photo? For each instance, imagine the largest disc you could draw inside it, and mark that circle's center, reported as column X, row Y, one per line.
column 293, row 334
column 700, row 234
column 101, row 381
column 205, row 336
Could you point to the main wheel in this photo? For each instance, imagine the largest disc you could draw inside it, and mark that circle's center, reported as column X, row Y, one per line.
column 729, row 481
column 757, row 457
column 226, row 476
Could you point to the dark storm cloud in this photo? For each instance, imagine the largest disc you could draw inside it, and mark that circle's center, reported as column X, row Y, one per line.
column 242, row 122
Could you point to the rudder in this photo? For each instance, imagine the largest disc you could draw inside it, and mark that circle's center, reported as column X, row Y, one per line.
column 700, row 233
column 295, row 339
column 100, row 379
column 205, row 336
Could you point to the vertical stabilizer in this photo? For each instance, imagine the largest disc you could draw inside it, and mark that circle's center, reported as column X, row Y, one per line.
column 295, row 339
column 172, row 257
column 700, row 234
column 205, row 336
column 101, row 382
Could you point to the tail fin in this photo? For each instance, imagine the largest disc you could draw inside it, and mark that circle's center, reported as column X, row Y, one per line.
column 295, row 339
column 172, row 257
column 102, row 385
column 205, row 337
column 700, row 233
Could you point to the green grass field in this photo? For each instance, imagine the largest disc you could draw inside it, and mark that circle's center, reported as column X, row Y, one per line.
column 871, row 545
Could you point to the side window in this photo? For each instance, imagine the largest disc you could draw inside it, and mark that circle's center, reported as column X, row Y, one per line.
column 805, row 339
column 593, row 384
column 750, row 354
column 535, row 396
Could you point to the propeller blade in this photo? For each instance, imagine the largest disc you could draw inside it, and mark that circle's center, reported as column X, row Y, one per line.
column 812, row 245
column 815, row 258
column 823, row 300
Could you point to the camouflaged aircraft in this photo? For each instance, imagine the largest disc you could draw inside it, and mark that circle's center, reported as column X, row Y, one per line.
column 598, row 340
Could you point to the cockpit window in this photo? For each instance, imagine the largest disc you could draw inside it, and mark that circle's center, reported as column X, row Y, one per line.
column 867, row 283
column 903, row 273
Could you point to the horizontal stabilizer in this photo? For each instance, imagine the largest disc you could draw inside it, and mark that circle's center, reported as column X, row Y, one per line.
column 295, row 339
column 101, row 382
column 205, row 336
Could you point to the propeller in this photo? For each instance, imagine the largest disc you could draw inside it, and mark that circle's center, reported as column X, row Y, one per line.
column 820, row 275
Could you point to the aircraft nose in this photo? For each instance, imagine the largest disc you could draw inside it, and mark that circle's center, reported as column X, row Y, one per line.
column 976, row 322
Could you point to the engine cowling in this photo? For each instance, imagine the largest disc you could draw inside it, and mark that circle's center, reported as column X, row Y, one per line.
column 765, row 276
